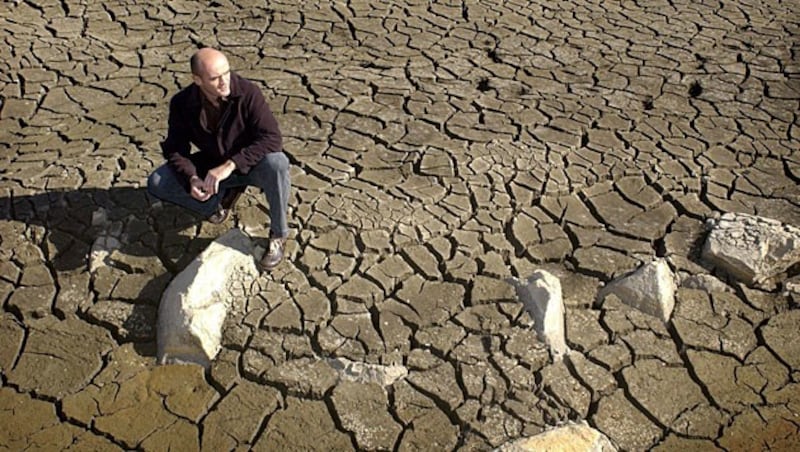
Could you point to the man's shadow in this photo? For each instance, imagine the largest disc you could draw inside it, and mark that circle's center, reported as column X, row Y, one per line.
column 121, row 242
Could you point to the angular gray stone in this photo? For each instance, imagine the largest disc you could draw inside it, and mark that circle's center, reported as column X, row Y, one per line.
column 650, row 289
column 540, row 293
column 196, row 302
column 753, row 249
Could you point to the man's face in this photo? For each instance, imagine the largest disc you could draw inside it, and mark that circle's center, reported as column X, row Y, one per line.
column 214, row 79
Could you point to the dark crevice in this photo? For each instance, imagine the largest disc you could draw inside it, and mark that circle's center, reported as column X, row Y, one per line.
column 687, row 364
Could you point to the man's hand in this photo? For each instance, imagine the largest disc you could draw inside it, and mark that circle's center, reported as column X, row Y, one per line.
column 217, row 175
column 197, row 190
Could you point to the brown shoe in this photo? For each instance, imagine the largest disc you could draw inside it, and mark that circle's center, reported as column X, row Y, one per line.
column 274, row 253
column 226, row 205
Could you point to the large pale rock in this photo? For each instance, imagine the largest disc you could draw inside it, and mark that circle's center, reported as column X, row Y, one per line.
column 194, row 306
column 571, row 437
column 752, row 249
column 650, row 289
column 541, row 296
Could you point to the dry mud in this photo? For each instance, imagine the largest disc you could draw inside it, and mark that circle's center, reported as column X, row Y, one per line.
column 437, row 149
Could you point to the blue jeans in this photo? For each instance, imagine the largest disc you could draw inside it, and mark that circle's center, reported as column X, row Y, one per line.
column 271, row 175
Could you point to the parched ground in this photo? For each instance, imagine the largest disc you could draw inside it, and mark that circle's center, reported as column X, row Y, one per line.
column 438, row 149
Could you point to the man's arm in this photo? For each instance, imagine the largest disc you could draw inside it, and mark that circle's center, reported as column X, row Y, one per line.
column 176, row 146
column 265, row 131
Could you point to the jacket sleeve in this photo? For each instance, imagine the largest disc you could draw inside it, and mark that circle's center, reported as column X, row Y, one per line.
column 176, row 146
column 266, row 135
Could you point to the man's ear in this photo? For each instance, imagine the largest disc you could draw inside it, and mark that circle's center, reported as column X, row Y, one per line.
column 196, row 79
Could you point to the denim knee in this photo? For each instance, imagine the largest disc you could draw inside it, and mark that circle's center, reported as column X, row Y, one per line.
column 272, row 164
column 276, row 162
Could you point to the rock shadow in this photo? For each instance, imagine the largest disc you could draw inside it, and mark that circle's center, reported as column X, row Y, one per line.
column 108, row 254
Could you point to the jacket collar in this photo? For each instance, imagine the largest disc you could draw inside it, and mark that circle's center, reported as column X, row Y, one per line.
column 196, row 96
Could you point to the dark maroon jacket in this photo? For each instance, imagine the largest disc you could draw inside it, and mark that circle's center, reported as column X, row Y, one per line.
column 247, row 131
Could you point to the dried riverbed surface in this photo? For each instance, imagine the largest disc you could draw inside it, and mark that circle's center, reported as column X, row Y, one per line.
column 437, row 149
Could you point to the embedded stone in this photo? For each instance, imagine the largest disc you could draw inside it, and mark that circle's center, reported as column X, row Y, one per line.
column 540, row 293
column 755, row 250
column 196, row 302
column 382, row 375
column 650, row 289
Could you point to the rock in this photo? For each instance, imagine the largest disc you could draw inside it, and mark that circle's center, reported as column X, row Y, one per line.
column 194, row 306
column 650, row 289
column 541, row 296
column 752, row 249
column 570, row 437
column 792, row 289
column 102, row 248
column 703, row 281
column 368, row 373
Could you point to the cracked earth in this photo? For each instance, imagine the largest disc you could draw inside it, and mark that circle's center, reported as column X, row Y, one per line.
column 438, row 149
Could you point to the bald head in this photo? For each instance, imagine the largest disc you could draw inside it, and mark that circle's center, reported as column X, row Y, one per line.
column 203, row 58
column 211, row 73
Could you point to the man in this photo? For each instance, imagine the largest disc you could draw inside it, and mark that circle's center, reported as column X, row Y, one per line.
column 238, row 144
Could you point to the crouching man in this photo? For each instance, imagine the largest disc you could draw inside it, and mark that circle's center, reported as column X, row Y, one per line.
column 238, row 144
